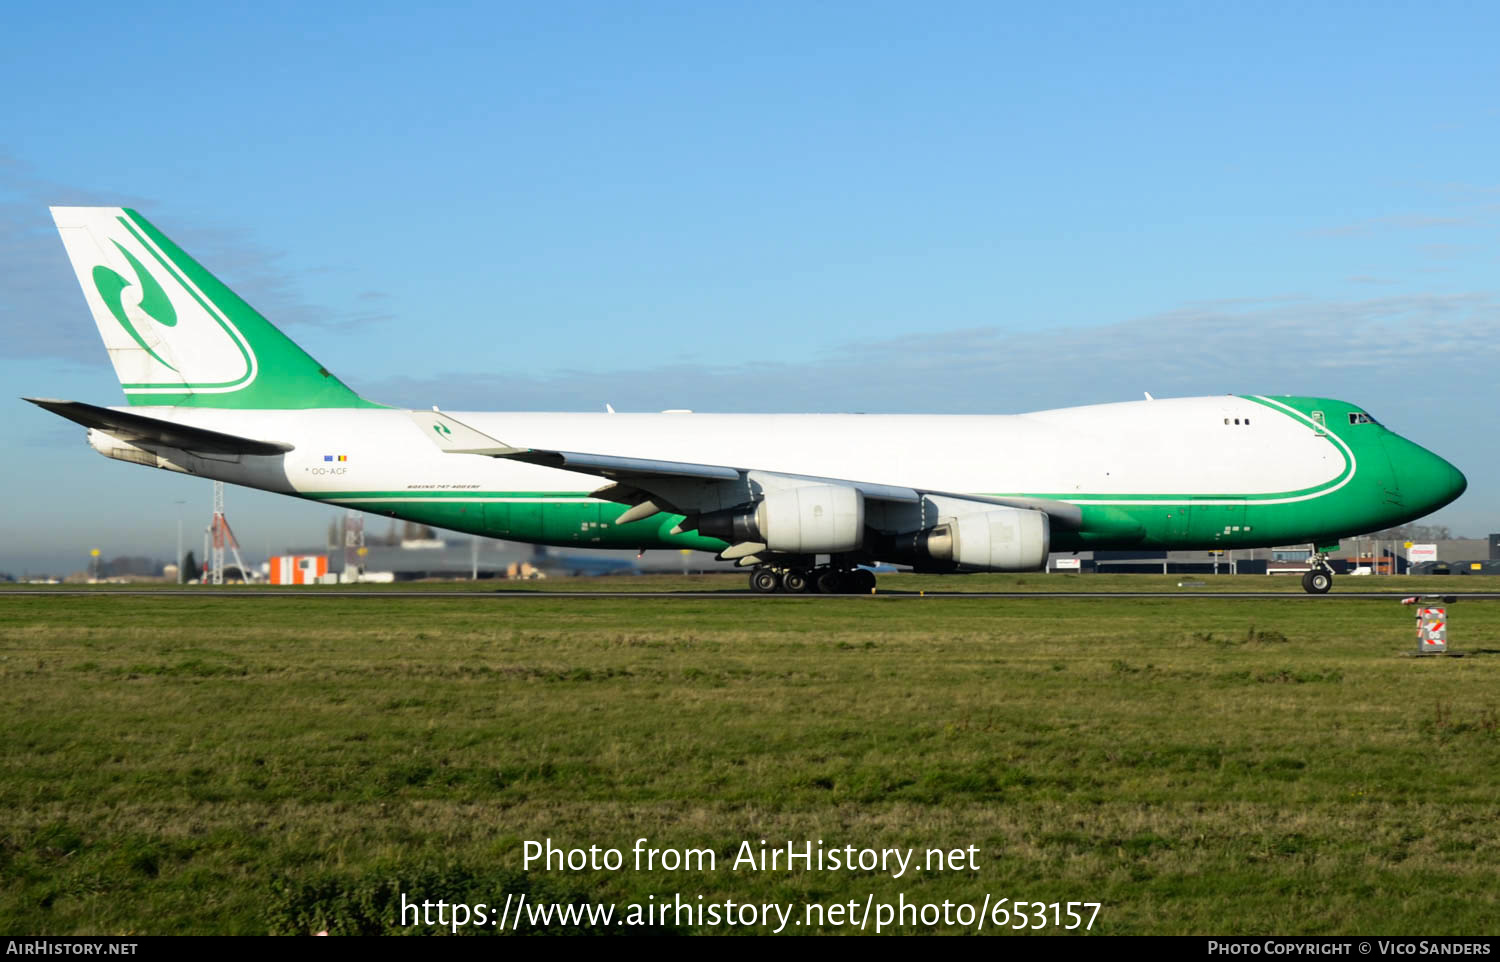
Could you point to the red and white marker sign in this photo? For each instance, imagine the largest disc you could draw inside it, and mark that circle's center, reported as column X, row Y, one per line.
column 1432, row 629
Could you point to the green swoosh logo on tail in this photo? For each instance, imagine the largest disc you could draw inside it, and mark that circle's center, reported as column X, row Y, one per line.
column 154, row 300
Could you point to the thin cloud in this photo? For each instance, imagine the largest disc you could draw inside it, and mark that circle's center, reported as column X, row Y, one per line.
column 1252, row 346
column 1394, row 222
column 259, row 275
column 43, row 313
column 41, row 306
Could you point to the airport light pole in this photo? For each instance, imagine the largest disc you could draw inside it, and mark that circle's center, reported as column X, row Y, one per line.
column 179, row 539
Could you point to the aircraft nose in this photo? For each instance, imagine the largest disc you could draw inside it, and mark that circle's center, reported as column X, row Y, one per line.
column 1426, row 480
column 1454, row 483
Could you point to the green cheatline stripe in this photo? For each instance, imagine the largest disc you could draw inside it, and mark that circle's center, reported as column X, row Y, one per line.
column 439, row 495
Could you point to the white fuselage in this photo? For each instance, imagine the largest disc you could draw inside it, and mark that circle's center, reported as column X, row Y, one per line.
column 1129, row 449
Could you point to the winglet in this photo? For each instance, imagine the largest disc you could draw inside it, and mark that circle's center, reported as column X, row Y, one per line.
column 455, row 437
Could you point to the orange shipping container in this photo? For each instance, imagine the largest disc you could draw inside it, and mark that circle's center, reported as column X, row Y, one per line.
column 298, row 569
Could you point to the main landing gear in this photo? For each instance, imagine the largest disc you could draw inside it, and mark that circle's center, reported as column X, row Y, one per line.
column 1319, row 579
column 824, row 580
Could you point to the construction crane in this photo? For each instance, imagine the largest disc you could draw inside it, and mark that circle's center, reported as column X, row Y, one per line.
column 222, row 537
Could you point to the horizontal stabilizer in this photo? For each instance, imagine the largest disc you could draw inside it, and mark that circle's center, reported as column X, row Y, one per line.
column 139, row 428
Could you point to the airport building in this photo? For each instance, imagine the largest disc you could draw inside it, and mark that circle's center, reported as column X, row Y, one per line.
column 1363, row 555
column 460, row 557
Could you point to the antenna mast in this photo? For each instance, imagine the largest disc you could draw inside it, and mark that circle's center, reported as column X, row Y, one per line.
column 222, row 538
column 216, row 530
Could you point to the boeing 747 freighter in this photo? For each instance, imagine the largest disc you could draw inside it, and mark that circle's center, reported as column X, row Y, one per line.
column 803, row 501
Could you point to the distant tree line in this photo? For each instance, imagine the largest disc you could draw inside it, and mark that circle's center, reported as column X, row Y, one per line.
column 117, row 567
column 1419, row 533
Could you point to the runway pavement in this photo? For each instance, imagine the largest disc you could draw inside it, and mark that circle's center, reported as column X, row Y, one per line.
column 510, row 594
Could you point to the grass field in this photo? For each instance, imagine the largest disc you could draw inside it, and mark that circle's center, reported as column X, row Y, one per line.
column 177, row 764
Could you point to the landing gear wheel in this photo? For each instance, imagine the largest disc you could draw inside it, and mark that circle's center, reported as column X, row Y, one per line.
column 1317, row 581
column 795, row 582
column 764, row 580
column 862, row 581
column 831, row 582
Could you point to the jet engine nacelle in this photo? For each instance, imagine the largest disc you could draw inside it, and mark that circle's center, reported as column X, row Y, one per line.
column 1002, row 539
column 816, row 519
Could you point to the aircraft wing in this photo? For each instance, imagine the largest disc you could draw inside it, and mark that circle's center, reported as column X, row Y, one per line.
column 686, row 488
column 139, row 428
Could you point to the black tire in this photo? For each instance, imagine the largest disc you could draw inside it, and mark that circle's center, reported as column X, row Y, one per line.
column 795, row 581
column 764, row 581
column 862, row 581
column 831, row 582
column 1317, row 581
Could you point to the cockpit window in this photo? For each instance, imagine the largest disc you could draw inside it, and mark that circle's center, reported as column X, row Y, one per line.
column 1360, row 417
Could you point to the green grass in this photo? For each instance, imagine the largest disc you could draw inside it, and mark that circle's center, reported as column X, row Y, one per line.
column 178, row 764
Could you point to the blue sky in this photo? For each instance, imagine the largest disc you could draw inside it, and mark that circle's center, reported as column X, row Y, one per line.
column 951, row 207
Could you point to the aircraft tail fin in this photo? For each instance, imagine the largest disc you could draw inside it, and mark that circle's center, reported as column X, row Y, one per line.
column 176, row 334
